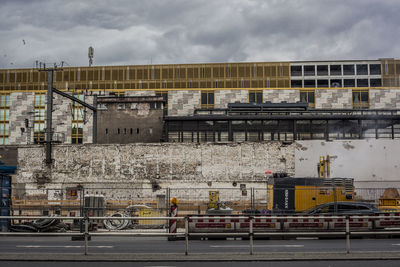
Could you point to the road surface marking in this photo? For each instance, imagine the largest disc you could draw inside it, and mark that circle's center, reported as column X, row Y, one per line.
column 34, row 246
column 257, row 246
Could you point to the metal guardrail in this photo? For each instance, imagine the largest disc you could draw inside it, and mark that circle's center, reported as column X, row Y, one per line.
column 251, row 234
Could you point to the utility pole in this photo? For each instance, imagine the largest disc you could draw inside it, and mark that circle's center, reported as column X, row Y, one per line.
column 49, row 112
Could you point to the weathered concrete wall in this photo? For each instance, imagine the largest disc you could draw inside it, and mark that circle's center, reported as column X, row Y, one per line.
column 145, row 165
column 372, row 163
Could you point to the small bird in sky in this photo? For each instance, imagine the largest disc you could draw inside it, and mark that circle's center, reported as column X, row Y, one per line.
column 23, row 41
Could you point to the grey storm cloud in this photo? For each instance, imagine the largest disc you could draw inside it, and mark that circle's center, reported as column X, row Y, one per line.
column 167, row 32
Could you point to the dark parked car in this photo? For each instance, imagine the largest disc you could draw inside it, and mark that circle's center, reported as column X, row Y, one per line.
column 344, row 208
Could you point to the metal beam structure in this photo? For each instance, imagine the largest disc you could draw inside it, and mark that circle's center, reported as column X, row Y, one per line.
column 288, row 125
column 83, row 103
column 49, row 113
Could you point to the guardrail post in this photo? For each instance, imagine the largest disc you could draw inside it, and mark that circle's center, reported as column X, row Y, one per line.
column 347, row 234
column 251, row 235
column 86, row 234
column 186, row 235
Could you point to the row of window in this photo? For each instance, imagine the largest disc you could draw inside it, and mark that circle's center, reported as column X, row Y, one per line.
column 335, row 70
column 336, row 83
column 126, row 131
column 148, row 73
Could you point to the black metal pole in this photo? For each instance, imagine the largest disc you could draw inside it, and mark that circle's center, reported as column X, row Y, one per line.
column 49, row 115
column 95, row 120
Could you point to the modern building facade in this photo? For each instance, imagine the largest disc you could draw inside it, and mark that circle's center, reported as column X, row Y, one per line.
column 349, row 84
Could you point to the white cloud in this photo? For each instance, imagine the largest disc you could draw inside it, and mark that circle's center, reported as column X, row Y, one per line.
column 167, row 32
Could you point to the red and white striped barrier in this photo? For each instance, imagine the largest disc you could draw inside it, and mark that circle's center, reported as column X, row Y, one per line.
column 389, row 221
column 273, row 223
column 304, row 223
column 172, row 223
column 358, row 223
column 211, row 225
column 259, row 224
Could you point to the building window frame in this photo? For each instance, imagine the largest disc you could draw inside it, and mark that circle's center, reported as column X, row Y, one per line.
column 4, row 119
column 39, row 121
column 77, row 121
column 360, row 98
column 255, row 96
column 207, row 99
column 308, row 96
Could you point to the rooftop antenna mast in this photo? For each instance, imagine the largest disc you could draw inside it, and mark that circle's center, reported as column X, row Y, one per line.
column 90, row 55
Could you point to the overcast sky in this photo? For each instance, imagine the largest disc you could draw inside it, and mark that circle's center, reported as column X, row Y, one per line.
column 194, row 31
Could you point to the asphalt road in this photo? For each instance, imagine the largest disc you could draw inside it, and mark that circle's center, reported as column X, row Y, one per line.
column 386, row 263
column 161, row 245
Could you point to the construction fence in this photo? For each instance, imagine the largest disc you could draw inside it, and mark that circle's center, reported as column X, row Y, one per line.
column 148, row 202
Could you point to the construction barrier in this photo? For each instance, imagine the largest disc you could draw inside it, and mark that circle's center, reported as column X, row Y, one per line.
column 273, row 223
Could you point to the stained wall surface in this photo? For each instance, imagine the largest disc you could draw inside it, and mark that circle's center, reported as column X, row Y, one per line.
column 372, row 163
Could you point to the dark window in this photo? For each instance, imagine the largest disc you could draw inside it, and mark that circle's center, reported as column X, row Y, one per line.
column 336, row 83
column 296, row 83
column 375, row 82
column 362, row 82
column 364, row 96
column 375, row 69
column 296, row 71
column 119, row 131
column 137, row 130
column 349, row 83
column 207, row 99
column 131, row 131
column 106, row 130
column 336, row 69
column 360, row 99
column 309, row 83
column 308, row 97
column 346, row 207
column 322, row 70
column 348, row 69
column 309, row 70
column 255, row 97
column 124, row 130
column 362, row 69
column 164, row 94
column 322, row 83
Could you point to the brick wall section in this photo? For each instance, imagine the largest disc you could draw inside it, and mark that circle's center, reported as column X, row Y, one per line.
column 277, row 96
column 223, row 97
column 379, row 98
column 21, row 104
column 333, row 99
column 182, row 103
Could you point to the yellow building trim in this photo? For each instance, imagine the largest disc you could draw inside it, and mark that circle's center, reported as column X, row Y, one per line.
column 200, row 89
